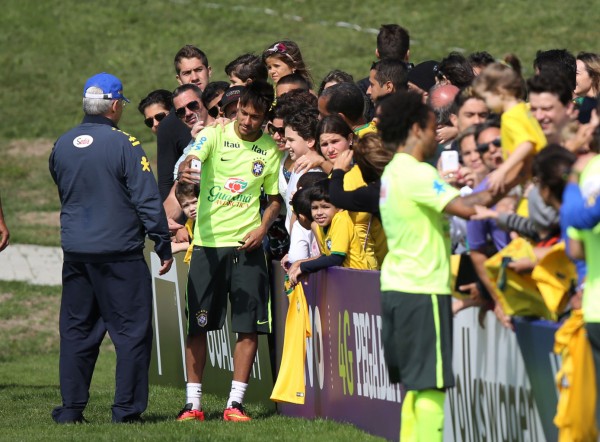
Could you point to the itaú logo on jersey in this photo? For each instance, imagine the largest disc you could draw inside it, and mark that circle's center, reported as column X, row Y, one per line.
column 235, row 185
column 83, row 141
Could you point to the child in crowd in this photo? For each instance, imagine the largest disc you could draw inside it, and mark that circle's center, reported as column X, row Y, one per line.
column 303, row 244
column 335, row 234
column 245, row 69
column 503, row 89
column 284, row 58
column 187, row 196
column 300, row 130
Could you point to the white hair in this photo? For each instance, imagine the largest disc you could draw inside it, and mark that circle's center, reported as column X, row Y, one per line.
column 96, row 106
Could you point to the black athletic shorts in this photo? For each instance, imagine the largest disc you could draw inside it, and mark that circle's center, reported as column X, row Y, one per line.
column 417, row 339
column 217, row 274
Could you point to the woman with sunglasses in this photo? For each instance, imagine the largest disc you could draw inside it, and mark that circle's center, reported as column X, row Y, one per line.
column 155, row 107
column 283, row 58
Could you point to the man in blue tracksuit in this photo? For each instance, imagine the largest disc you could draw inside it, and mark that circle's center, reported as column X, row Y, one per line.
column 109, row 202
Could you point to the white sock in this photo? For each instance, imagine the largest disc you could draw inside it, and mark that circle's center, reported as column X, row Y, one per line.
column 193, row 395
column 238, row 389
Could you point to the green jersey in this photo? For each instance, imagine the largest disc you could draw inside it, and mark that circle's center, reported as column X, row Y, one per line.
column 233, row 172
column 412, row 199
column 589, row 183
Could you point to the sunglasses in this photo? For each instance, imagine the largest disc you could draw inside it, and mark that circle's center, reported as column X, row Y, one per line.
column 192, row 105
column 483, row 148
column 275, row 130
column 158, row 117
column 214, row 111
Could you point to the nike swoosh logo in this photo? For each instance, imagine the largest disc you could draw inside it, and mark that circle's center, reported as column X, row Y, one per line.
column 225, row 159
column 262, row 322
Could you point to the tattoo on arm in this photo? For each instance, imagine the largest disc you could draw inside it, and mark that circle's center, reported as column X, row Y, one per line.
column 479, row 199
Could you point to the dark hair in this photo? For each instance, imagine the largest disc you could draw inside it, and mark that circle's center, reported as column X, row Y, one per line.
column 462, row 97
column 337, row 76
column 288, row 52
column 557, row 60
column 333, row 124
column 186, row 190
column 247, row 67
column 463, row 135
column 345, row 98
column 295, row 79
column 480, row 59
column 310, row 179
column 513, row 61
column 456, row 69
column 187, row 87
column 301, row 202
column 319, row 192
column 397, row 114
column 159, row 96
column 492, row 121
column 552, row 166
column 393, row 41
column 259, row 94
column 394, row 71
column 212, row 90
column 189, row 51
column 292, row 102
column 304, row 122
column 555, row 84
column 371, row 157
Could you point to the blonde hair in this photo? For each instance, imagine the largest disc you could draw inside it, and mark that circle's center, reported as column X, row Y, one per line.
column 497, row 78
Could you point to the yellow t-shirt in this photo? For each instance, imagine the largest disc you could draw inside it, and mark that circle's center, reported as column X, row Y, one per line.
column 290, row 379
column 189, row 226
column 368, row 128
column 339, row 238
column 517, row 126
column 376, row 244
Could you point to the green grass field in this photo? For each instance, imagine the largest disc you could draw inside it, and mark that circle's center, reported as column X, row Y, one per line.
column 49, row 49
column 29, row 389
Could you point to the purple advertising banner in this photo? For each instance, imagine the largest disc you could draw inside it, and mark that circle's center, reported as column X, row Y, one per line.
column 345, row 373
column 346, row 378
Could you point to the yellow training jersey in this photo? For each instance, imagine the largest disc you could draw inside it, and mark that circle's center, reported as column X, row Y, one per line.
column 289, row 386
column 340, row 238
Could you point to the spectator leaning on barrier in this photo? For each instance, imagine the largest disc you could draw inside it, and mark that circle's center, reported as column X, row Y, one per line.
column 415, row 277
column 109, row 202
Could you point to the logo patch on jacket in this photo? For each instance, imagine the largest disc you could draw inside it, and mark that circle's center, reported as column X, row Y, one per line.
column 83, row 141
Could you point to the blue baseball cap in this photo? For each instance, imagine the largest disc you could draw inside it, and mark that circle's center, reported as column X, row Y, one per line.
column 111, row 86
